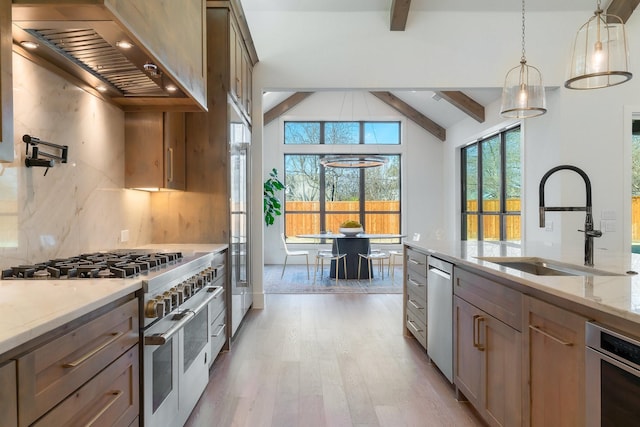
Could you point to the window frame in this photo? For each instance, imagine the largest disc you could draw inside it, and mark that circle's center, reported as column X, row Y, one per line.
column 480, row 213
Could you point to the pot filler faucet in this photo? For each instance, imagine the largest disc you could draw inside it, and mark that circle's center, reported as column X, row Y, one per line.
column 589, row 232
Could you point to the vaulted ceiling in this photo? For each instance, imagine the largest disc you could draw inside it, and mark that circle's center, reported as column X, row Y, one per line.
column 426, row 108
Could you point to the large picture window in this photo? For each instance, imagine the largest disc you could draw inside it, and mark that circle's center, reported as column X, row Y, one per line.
column 319, row 199
column 491, row 188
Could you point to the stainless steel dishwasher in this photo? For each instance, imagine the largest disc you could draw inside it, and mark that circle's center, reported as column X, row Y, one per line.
column 440, row 315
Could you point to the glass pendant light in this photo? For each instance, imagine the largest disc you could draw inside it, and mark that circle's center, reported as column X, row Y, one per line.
column 600, row 55
column 523, row 93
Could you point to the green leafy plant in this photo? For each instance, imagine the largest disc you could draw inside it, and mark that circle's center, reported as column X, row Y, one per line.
column 272, row 205
column 350, row 224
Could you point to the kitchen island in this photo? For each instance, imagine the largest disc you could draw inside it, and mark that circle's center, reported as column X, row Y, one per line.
column 521, row 354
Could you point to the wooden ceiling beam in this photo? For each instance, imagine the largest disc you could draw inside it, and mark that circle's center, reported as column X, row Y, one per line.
column 464, row 102
column 285, row 106
column 413, row 114
column 399, row 14
column 622, row 8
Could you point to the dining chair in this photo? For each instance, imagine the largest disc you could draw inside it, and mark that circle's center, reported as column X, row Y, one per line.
column 293, row 253
column 333, row 255
column 399, row 252
column 371, row 256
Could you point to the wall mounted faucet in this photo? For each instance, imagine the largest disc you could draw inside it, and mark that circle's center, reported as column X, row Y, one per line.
column 589, row 232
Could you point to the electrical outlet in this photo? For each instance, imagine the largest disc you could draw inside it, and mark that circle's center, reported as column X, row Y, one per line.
column 608, row 225
column 124, row 236
column 608, row 214
column 548, row 225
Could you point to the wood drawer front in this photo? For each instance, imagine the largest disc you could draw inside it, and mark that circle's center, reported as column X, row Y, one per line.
column 8, row 396
column 218, row 334
column 417, row 284
column 417, row 261
column 51, row 372
column 111, row 398
column 417, row 328
column 501, row 302
column 417, row 305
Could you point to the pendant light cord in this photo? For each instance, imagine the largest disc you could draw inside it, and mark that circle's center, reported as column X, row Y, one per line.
column 523, row 59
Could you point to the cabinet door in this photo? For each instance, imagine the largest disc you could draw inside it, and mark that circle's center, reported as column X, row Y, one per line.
column 8, row 396
column 174, row 146
column 554, row 354
column 233, row 71
column 502, row 403
column 468, row 357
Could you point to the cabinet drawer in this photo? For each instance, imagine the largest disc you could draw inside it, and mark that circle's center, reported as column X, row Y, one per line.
column 8, row 396
column 417, row 328
column 218, row 334
column 111, row 398
column 50, row 373
column 417, row 284
column 417, row 261
column 498, row 300
column 216, row 306
column 417, row 305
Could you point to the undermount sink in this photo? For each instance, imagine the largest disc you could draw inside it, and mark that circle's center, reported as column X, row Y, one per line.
column 545, row 267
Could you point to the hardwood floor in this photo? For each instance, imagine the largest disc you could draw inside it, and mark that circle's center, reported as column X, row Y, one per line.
column 327, row 360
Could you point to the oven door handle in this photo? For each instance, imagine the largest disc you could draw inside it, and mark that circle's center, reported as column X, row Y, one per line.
column 615, row 362
column 162, row 338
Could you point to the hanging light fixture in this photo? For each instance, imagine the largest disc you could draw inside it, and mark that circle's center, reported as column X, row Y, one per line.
column 600, row 56
column 523, row 93
column 353, row 161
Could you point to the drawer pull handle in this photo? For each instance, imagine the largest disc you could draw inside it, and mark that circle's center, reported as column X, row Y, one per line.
column 548, row 335
column 413, row 261
column 219, row 331
column 476, row 332
column 413, row 325
column 415, row 305
column 414, row 283
column 114, row 337
column 96, row 417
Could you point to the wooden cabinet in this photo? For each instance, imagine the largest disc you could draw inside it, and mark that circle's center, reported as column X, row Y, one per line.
column 6, row 84
column 65, row 367
column 240, row 70
column 554, row 365
column 415, row 295
column 488, row 347
column 8, row 395
column 155, row 150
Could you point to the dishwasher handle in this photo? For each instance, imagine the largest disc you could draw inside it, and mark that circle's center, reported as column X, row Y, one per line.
column 439, row 272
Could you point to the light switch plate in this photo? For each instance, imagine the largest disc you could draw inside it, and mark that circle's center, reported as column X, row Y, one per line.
column 608, row 214
column 124, row 236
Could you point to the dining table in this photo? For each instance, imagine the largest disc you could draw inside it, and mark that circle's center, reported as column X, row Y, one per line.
column 352, row 246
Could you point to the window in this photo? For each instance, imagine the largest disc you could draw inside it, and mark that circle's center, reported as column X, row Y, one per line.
column 342, row 133
column 491, row 188
column 319, row 199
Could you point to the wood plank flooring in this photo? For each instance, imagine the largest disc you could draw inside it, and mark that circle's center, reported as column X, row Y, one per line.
column 327, row 360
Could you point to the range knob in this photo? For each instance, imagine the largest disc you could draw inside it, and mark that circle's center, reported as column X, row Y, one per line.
column 168, row 301
column 177, row 297
column 154, row 308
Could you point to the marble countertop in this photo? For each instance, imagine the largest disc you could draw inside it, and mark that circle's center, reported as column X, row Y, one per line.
column 616, row 295
column 30, row 308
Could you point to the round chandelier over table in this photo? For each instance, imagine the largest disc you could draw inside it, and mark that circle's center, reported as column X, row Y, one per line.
column 353, row 161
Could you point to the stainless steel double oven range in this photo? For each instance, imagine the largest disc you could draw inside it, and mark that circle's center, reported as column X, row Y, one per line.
column 181, row 297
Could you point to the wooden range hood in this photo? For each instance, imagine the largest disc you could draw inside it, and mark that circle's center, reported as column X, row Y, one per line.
column 164, row 69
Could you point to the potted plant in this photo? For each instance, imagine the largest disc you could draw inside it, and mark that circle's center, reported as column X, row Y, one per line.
column 272, row 205
column 351, row 228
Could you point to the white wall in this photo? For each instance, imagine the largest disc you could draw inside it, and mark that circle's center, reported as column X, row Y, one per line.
column 465, row 50
column 421, row 161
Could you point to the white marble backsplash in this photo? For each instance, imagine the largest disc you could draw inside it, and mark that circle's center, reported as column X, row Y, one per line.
column 77, row 207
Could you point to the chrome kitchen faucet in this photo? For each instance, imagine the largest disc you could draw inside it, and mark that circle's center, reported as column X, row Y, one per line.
column 589, row 232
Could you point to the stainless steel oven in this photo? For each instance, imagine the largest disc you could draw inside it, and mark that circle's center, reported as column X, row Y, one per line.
column 612, row 377
column 177, row 346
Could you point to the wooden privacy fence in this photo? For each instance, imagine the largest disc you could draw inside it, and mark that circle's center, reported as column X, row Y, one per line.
column 308, row 221
column 304, row 217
